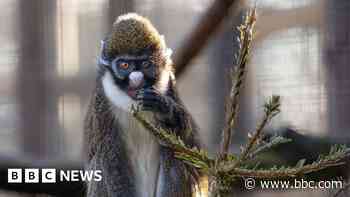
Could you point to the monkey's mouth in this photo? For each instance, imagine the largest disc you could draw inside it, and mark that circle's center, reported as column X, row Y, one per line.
column 132, row 92
column 136, row 82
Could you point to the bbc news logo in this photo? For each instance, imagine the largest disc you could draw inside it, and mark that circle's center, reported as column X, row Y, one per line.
column 49, row 175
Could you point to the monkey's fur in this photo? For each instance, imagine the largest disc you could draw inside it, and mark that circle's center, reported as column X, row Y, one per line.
column 132, row 162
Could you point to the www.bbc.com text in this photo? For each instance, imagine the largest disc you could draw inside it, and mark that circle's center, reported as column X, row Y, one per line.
column 251, row 183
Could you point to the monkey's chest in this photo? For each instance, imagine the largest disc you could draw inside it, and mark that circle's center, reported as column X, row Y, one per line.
column 143, row 153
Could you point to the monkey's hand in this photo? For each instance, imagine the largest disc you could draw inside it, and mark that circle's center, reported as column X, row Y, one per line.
column 170, row 114
column 150, row 99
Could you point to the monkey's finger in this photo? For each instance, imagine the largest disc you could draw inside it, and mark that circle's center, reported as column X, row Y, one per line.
column 151, row 90
column 151, row 106
column 149, row 96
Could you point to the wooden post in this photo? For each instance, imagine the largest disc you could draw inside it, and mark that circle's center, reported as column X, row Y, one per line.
column 37, row 104
column 337, row 68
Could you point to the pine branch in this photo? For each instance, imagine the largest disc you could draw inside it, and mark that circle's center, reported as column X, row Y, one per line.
column 334, row 158
column 246, row 36
column 226, row 168
column 274, row 141
column 193, row 156
column 271, row 109
column 283, row 173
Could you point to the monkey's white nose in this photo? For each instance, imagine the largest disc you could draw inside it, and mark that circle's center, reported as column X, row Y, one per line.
column 135, row 79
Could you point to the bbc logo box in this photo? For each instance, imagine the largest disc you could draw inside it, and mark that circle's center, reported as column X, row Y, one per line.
column 14, row 175
column 31, row 175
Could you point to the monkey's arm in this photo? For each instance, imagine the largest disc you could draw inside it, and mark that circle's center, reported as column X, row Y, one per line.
column 176, row 179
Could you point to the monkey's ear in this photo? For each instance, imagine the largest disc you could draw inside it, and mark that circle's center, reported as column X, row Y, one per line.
column 103, row 61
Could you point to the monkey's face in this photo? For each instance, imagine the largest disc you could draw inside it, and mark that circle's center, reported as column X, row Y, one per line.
column 131, row 79
column 136, row 58
column 132, row 73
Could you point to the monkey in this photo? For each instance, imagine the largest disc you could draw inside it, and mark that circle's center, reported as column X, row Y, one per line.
column 135, row 68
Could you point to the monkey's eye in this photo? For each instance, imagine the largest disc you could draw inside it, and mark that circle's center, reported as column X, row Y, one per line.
column 124, row 65
column 145, row 64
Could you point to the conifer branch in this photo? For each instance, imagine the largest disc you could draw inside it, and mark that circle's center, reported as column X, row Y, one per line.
column 274, row 141
column 246, row 36
column 193, row 156
column 334, row 158
column 271, row 109
column 226, row 168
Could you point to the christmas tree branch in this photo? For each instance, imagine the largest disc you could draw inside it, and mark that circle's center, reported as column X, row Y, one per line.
column 274, row 141
column 272, row 108
column 246, row 37
column 193, row 156
column 334, row 158
column 225, row 168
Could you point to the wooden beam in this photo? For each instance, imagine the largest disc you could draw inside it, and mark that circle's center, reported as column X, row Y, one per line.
column 194, row 43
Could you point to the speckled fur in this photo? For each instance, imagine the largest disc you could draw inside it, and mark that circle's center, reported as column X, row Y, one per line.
column 129, row 36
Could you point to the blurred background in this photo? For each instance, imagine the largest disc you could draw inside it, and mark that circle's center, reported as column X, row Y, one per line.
column 48, row 61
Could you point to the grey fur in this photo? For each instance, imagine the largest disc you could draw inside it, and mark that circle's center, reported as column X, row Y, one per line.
column 108, row 151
